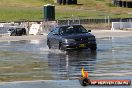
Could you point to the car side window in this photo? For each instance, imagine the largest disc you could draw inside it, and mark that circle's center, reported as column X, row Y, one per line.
column 56, row 31
column 62, row 31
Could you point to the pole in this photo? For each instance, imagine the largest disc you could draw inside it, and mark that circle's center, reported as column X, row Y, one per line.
column 109, row 21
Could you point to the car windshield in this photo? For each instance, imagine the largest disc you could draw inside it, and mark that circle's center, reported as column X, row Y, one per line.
column 76, row 29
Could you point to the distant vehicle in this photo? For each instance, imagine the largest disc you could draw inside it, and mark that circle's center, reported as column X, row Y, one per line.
column 16, row 31
column 71, row 37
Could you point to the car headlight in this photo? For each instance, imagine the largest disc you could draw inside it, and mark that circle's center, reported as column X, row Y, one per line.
column 69, row 40
column 91, row 38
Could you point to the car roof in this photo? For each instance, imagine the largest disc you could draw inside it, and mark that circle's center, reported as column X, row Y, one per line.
column 69, row 25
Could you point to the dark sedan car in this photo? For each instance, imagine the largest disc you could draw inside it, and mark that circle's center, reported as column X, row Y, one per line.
column 17, row 31
column 71, row 37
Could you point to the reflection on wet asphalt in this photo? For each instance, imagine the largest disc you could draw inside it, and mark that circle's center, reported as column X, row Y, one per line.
column 68, row 65
column 32, row 60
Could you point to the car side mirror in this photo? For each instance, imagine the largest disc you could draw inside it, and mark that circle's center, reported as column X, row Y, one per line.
column 55, row 34
column 89, row 30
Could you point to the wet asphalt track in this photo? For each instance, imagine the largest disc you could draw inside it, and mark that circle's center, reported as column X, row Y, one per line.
column 113, row 60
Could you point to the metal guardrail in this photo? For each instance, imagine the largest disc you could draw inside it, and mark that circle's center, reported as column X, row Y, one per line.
column 89, row 23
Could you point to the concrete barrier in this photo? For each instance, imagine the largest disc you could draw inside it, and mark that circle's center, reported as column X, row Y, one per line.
column 121, row 25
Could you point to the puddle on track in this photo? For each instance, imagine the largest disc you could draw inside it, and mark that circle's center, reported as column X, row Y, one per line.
column 32, row 60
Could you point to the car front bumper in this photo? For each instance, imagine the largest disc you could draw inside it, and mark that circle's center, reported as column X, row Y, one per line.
column 83, row 45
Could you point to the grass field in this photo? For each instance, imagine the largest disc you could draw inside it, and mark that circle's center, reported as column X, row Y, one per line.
column 16, row 10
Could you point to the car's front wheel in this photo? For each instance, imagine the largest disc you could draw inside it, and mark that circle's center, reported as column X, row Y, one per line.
column 61, row 47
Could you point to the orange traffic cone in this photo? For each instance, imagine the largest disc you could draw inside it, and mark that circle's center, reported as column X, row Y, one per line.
column 86, row 74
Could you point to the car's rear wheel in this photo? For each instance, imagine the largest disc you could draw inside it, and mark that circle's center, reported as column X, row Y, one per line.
column 49, row 45
column 60, row 46
column 93, row 48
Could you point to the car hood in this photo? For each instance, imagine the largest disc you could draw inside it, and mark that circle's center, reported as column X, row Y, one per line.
column 75, row 36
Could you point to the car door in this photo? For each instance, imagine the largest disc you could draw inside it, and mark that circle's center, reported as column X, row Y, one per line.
column 55, row 38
